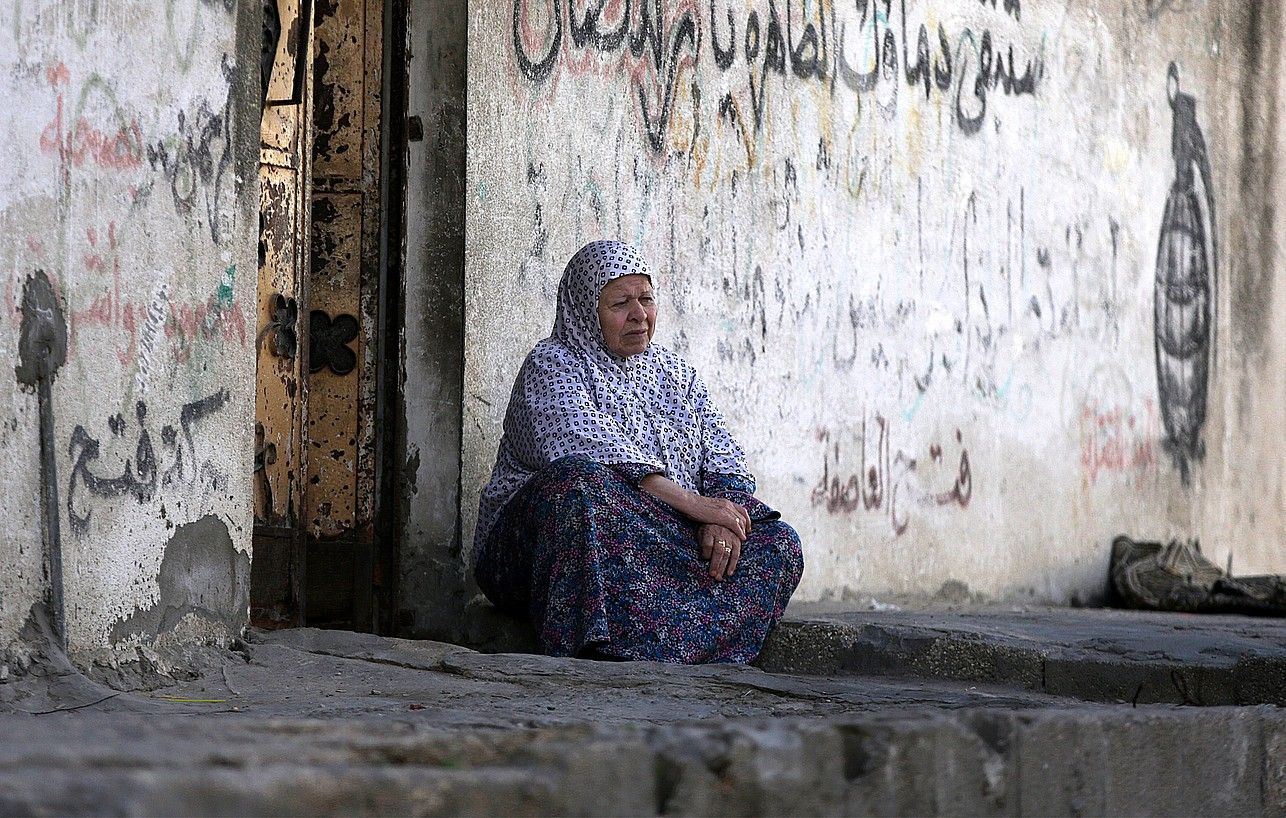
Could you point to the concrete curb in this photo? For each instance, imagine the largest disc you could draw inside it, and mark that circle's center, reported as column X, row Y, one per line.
column 1157, row 661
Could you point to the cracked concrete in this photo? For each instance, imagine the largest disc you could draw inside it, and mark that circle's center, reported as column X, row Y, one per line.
column 331, row 722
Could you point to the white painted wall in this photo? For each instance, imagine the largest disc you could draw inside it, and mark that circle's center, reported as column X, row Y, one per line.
column 129, row 143
column 931, row 322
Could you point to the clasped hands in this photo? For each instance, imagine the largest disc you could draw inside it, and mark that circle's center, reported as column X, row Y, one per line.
column 724, row 525
column 724, row 528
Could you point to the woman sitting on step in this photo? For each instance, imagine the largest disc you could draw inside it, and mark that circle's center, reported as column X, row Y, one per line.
column 620, row 515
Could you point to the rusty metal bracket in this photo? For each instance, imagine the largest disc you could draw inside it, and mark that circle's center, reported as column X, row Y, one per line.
column 265, row 452
column 285, row 336
column 328, row 341
column 265, row 456
column 414, row 129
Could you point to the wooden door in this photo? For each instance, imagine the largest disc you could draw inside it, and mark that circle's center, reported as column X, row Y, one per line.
column 339, row 492
column 319, row 285
column 285, row 153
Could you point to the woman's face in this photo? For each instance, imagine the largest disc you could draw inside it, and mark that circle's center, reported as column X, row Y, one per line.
column 627, row 314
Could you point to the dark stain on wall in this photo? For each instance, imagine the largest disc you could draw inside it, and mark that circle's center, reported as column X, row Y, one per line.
column 1251, row 282
column 42, row 349
column 271, row 36
column 42, row 339
column 202, row 573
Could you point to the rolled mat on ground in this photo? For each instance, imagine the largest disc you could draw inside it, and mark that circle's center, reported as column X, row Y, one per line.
column 1177, row 577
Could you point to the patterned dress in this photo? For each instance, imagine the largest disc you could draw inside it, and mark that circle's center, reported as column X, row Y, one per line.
column 566, row 536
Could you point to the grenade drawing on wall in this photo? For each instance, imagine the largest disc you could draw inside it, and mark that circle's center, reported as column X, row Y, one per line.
column 1187, row 266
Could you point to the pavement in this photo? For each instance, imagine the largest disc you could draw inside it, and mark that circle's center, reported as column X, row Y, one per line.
column 991, row 712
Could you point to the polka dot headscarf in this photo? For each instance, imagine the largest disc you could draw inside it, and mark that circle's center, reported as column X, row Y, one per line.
column 573, row 397
column 587, row 273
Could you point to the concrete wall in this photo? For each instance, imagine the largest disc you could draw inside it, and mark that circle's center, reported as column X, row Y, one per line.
column 129, row 145
column 913, row 248
column 431, row 577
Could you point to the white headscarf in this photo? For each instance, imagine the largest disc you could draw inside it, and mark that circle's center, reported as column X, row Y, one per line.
column 573, row 397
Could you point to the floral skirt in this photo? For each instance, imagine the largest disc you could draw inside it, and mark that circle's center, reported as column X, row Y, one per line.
column 604, row 568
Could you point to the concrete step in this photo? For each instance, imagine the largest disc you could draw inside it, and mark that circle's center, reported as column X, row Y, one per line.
column 336, row 723
column 1092, row 654
column 1096, row 655
column 1100, row 761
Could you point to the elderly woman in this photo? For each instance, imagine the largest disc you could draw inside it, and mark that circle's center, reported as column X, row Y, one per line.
column 620, row 515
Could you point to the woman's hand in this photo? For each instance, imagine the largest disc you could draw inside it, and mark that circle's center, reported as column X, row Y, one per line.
column 724, row 524
column 719, row 512
column 722, row 548
column 699, row 509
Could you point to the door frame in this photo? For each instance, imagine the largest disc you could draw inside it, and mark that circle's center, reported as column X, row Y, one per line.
column 390, row 516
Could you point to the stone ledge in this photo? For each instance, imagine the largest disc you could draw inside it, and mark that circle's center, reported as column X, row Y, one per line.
column 1092, row 655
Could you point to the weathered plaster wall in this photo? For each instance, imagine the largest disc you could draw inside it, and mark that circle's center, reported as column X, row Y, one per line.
column 431, row 581
column 913, row 248
column 129, row 143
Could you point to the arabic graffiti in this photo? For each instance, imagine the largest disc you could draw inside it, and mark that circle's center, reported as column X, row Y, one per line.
column 142, row 474
column 889, row 482
column 197, row 159
column 655, row 44
column 158, row 329
column 92, row 130
column 1117, row 440
column 1153, row 9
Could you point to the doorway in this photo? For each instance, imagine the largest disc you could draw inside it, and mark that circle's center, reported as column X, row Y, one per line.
column 329, row 263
